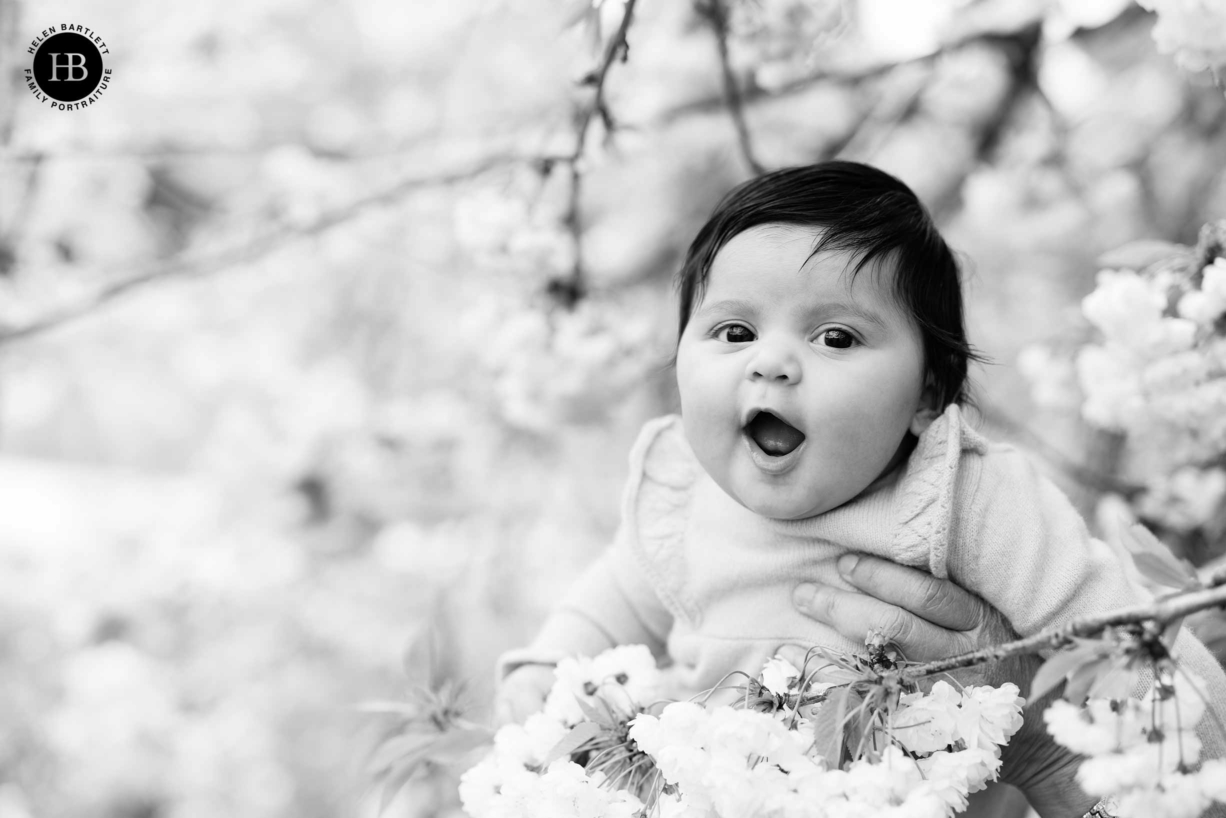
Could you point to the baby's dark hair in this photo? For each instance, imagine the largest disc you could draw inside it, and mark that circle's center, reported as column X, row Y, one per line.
column 862, row 210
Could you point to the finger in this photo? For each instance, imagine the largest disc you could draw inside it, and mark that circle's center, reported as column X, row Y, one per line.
column 939, row 601
column 853, row 615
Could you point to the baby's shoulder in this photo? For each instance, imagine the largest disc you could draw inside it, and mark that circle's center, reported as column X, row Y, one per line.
column 1001, row 477
column 662, row 455
column 656, row 508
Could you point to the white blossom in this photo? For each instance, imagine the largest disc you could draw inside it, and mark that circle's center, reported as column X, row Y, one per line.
column 989, row 716
column 1185, row 499
column 723, row 761
column 1180, row 796
column 1139, row 751
column 1212, row 775
column 778, row 675
column 1128, row 310
column 1193, row 30
column 1096, row 729
column 1139, row 767
column 1111, row 381
column 925, row 725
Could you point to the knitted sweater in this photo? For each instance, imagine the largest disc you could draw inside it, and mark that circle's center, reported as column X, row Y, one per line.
column 707, row 584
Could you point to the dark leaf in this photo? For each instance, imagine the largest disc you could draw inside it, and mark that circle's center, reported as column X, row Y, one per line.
column 1210, row 628
column 1063, row 663
column 828, row 727
column 1083, row 678
column 1171, row 633
column 579, row 735
column 860, row 722
column 1155, row 561
column 604, row 717
column 1118, row 680
column 1165, row 571
column 1138, row 255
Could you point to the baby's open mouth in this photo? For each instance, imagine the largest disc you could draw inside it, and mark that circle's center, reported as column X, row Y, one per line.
column 774, row 435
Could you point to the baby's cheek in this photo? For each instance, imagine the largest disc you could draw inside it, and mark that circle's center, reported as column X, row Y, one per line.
column 707, row 400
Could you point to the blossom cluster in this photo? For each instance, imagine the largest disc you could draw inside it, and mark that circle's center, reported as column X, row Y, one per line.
column 503, row 232
column 568, row 366
column 519, row 777
column 921, row 756
column 1143, row 752
column 1160, row 376
column 1193, row 30
column 1148, row 367
column 780, row 38
column 1157, row 375
column 625, row 677
column 515, row 780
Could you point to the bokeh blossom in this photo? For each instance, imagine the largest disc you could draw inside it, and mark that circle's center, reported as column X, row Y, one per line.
column 1144, row 753
column 1194, row 31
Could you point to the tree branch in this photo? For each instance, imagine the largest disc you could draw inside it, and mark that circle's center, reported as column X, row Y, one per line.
column 259, row 246
column 569, row 291
column 850, row 75
column 1162, row 612
column 716, row 13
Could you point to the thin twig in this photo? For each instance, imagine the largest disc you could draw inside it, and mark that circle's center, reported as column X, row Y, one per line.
column 716, row 14
column 568, row 292
column 260, row 246
column 847, row 75
column 1161, row 612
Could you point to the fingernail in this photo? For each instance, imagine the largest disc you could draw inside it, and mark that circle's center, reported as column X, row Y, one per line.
column 847, row 564
column 803, row 595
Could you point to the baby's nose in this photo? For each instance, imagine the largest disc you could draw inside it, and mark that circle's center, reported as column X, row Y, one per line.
column 774, row 362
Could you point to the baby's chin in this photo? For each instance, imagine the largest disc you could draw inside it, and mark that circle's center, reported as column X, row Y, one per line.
column 777, row 505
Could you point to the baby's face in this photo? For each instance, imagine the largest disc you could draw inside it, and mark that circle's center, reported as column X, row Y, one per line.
column 798, row 383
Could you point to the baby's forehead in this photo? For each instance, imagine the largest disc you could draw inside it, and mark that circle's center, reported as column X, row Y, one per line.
column 799, row 247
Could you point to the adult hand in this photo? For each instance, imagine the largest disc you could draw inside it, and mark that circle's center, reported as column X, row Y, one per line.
column 927, row 619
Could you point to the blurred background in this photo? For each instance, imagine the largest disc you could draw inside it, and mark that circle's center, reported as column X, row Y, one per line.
column 333, row 322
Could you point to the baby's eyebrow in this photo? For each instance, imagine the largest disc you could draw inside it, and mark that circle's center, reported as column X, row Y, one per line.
column 728, row 305
column 739, row 306
column 847, row 308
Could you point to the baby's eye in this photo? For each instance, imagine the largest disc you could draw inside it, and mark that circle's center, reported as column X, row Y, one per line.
column 836, row 338
column 735, row 334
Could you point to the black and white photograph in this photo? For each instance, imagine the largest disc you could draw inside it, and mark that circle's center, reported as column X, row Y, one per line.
column 613, row 409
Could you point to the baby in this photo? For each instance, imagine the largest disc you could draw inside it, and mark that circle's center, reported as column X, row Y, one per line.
column 821, row 365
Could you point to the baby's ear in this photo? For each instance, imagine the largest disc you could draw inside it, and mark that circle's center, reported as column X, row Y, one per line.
column 927, row 411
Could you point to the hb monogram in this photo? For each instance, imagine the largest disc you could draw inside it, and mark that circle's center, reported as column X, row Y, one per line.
column 71, row 65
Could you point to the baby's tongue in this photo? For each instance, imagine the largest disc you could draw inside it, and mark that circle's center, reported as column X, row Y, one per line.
column 774, row 436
